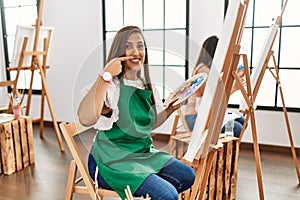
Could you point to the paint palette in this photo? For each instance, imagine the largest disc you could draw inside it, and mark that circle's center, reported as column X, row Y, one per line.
column 185, row 90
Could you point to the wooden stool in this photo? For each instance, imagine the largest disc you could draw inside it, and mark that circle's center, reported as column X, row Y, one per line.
column 16, row 145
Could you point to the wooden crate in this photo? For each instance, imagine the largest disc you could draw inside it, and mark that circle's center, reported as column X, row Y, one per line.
column 16, row 145
column 223, row 175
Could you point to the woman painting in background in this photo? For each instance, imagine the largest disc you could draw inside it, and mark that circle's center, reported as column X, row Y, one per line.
column 203, row 65
column 121, row 105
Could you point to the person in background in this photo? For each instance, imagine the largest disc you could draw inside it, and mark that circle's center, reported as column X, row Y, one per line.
column 121, row 105
column 203, row 65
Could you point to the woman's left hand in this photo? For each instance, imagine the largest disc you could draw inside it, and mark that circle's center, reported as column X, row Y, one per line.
column 171, row 107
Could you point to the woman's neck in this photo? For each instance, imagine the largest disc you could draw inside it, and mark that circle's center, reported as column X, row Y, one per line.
column 131, row 76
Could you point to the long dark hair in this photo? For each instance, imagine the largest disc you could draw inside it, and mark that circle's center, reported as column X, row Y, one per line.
column 207, row 51
column 118, row 49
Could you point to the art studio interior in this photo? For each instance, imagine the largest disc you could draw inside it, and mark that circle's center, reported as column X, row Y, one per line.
column 57, row 58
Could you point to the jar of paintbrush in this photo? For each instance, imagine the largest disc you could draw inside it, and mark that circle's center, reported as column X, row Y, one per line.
column 16, row 107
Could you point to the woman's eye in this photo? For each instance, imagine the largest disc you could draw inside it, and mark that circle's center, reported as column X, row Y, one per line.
column 128, row 46
column 140, row 46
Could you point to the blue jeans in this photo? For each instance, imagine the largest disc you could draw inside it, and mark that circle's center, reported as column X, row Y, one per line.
column 175, row 177
column 238, row 124
column 190, row 120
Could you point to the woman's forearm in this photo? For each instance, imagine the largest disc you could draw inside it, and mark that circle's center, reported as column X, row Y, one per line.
column 90, row 107
column 163, row 115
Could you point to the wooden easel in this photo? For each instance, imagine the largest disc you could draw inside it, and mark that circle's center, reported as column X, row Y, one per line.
column 202, row 162
column 250, row 115
column 250, row 96
column 41, row 67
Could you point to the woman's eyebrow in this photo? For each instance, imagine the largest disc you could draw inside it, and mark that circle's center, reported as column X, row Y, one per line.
column 136, row 42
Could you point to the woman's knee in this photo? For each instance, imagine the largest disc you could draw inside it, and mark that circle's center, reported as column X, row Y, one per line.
column 182, row 180
column 157, row 188
column 190, row 177
column 187, row 178
column 237, row 129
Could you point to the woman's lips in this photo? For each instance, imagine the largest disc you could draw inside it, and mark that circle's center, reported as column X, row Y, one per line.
column 135, row 60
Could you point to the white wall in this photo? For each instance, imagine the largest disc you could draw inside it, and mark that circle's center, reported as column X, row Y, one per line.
column 272, row 129
column 78, row 33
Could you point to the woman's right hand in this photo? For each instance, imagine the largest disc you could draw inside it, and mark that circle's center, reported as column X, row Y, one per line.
column 114, row 66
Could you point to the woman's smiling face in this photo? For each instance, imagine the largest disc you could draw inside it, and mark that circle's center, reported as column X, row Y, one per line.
column 135, row 47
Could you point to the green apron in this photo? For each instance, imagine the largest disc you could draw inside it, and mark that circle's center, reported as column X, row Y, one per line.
column 125, row 154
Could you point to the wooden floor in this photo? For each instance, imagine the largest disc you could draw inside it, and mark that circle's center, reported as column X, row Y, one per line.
column 47, row 178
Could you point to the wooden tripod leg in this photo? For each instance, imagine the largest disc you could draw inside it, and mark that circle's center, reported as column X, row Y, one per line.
column 290, row 135
column 181, row 116
column 42, row 107
column 29, row 93
column 287, row 122
column 202, row 174
column 172, row 141
column 243, row 128
column 257, row 155
column 42, row 112
column 46, row 47
column 198, row 179
column 210, row 159
column 58, row 135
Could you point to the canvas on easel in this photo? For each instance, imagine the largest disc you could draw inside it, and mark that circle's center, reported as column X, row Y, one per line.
column 221, row 66
column 32, row 58
column 29, row 32
column 205, row 135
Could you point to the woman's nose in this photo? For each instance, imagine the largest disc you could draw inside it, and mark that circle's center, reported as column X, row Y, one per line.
column 134, row 51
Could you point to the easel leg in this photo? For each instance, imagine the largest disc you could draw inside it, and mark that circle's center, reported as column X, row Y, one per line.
column 202, row 174
column 257, row 156
column 29, row 94
column 197, row 182
column 42, row 109
column 243, row 129
column 51, row 110
column 290, row 136
column 286, row 118
column 208, row 165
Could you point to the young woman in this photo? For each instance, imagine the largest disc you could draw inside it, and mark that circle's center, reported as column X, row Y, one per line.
column 121, row 105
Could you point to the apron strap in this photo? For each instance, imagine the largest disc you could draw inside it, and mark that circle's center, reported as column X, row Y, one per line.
column 97, row 197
